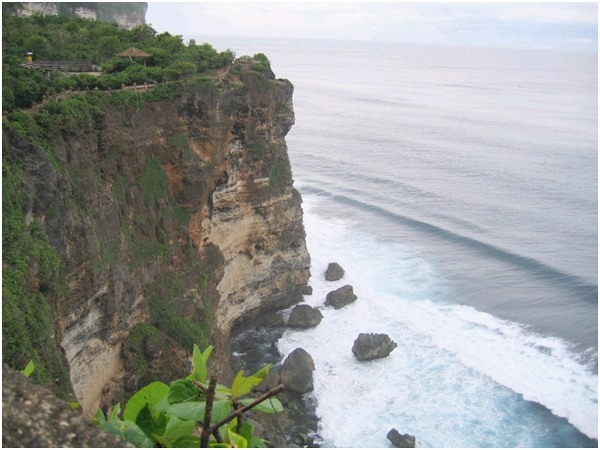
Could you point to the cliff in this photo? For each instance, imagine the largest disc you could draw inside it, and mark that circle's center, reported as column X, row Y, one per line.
column 174, row 221
column 125, row 14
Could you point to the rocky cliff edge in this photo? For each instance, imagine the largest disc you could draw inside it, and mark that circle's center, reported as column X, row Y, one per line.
column 173, row 220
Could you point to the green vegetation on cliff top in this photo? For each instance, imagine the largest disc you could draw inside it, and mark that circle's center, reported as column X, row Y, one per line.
column 63, row 38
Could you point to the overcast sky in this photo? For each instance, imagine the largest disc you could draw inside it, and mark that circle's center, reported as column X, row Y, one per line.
column 565, row 25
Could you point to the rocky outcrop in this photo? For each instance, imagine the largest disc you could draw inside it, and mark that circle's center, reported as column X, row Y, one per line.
column 368, row 346
column 33, row 417
column 178, row 213
column 297, row 372
column 401, row 440
column 304, row 316
column 340, row 297
column 273, row 320
column 125, row 14
column 334, row 272
column 298, row 418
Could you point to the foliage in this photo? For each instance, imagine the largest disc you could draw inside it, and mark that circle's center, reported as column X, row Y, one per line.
column 257, row 150
column 119, row 186
column 263, row 85
column 170, row 416
column 28, row 261
column 154, row 181
column 182, row 142
column 138, row 336
column 63, row 38
column 264, row 65
column 166, row 315
column 279, row 168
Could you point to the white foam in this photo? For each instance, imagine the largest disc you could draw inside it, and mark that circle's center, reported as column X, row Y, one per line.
column 458, row 376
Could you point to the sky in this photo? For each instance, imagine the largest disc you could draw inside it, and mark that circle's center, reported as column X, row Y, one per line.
column 562, row 26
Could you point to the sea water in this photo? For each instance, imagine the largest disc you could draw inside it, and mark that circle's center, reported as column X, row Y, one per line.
column 458, row 189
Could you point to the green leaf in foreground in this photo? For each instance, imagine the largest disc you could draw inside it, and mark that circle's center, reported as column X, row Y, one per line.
column 151, row 423
column 178, row 429
column 269, row 406
column 188, row 442
column 114, row 415
column 235, row 440
column 128, row 431
column 164, row 442
column 199, row 360
column 182, row 391
column 195, row 410
column 242, row 385
column 99, row 418
column 188, row 411
column 27, row 371
column 150, row 395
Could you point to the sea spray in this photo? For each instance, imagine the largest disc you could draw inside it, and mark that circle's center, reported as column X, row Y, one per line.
column 467, row 182
column 459, row 377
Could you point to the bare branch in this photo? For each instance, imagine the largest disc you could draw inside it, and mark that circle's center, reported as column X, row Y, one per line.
column 240, row 417
column 210, row 398
column 276, row 390
column 218, row 436
column 201, row 386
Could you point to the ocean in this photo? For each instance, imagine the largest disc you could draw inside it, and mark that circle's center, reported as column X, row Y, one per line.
column 458, row 188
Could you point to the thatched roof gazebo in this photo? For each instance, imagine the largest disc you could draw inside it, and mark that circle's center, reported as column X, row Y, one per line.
column 134, row 52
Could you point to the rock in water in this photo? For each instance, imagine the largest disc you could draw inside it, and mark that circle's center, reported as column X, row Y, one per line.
column 273, row 320
column 368, row 346
column 305, row 316
column 308, row 290
column 340, row 297
column 297, row 372
column 401, row 440
column 334, row 272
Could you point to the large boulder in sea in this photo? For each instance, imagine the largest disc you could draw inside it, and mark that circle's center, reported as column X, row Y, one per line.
column 297, row 372
column 340, row 297
column 401, row 440
column 334, row 272
column 368, row 346
column 273, row 320
column 305, row 316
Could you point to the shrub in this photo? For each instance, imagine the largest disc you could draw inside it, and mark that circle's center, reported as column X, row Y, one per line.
column 168, row 416
column 74, row 39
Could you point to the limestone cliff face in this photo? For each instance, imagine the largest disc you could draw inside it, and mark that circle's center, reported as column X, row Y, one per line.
column 125, row 14
column 180, row 214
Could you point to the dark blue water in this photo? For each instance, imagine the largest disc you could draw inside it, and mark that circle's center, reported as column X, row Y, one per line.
column 459, row 189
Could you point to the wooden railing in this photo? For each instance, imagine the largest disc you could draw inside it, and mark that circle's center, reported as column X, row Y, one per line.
column 63, row 66
column 70, row 92
column 217, row 76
